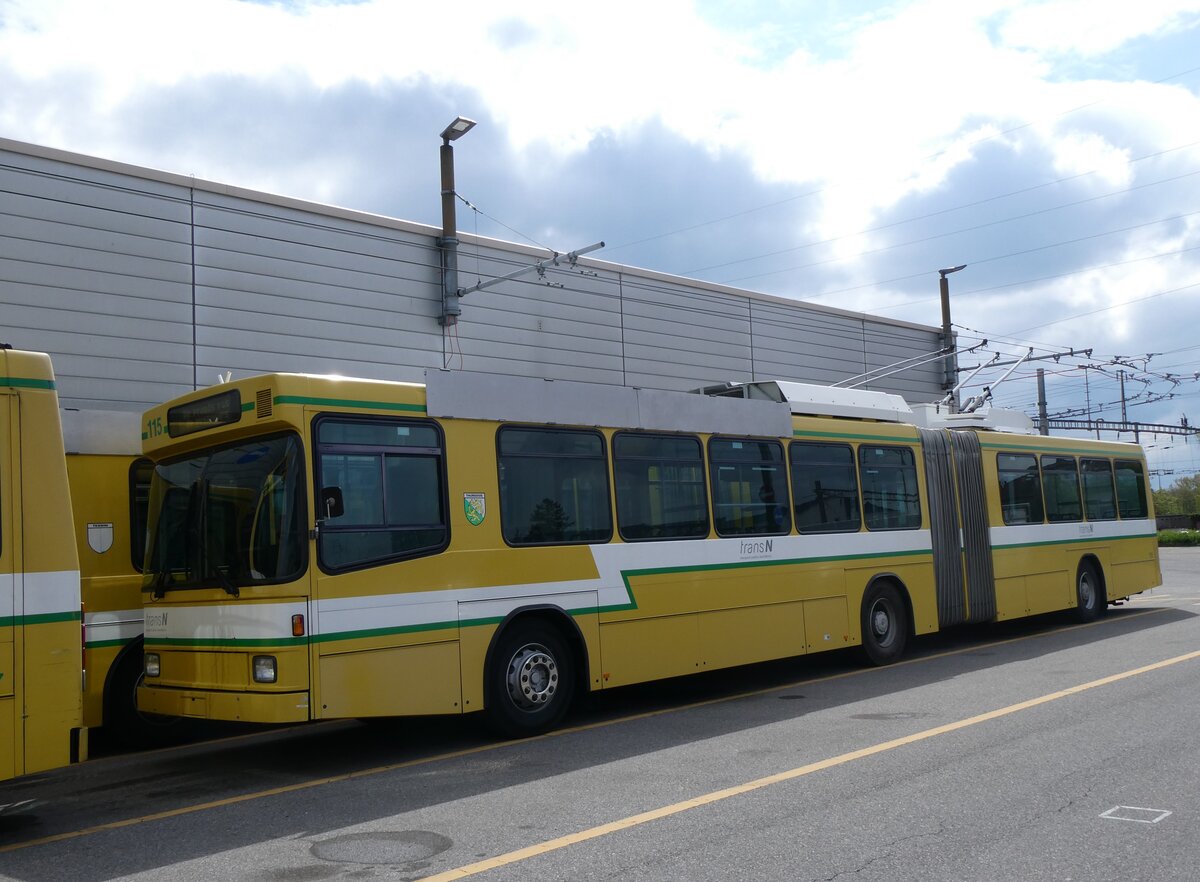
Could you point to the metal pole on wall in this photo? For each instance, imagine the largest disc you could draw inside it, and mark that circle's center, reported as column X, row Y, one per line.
column 1043, row 418
column 950, row 378
column 451, row 309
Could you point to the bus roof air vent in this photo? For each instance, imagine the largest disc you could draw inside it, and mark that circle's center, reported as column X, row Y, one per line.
column 808, row 399
column 262, row 403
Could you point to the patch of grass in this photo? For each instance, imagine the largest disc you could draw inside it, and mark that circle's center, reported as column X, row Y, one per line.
column 1178, row 538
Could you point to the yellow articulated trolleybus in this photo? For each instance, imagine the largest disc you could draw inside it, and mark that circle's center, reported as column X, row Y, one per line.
column 322, row 547
column 41, row 652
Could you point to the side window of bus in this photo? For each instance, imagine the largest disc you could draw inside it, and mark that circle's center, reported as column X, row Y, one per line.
column 553, row 486
column 391, row 477
column 824, row 488
column 1060, row 481
column 1020, row 488
column 660, row 487
column 1099, row 498
column 890, row 497
column 1131, row 489
column 139, row 505
column 749, row 486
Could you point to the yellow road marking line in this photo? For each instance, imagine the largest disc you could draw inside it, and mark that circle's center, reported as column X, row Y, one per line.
column 557, row 733
column 617, row 826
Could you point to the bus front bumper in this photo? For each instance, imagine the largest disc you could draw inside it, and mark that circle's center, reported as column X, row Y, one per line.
column 246, row 707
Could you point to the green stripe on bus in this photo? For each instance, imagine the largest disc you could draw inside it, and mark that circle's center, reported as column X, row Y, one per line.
column 43, row 619
column 626, row 575
column 234, row 643
column 382, row 632
column 26, row 383
column 855, row 436
column 746, row 564
column 104, row 644
column 1035, row 447
column 1079, row 541
column 349, row 402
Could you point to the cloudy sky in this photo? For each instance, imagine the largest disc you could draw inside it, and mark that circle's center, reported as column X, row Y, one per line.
column 836, row 152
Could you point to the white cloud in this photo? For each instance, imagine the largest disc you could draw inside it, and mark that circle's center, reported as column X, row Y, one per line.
column 1093, row 27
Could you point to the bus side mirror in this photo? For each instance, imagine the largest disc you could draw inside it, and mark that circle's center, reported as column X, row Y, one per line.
column 332, row 502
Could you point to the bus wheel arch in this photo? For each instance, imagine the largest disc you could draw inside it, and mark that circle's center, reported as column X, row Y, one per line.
column 1091, row 591
column 123, row 722
column 886, row 618
column 533, row 669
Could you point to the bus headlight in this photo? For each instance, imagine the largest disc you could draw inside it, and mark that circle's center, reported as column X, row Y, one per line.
column 153, row 664
column 264, row 669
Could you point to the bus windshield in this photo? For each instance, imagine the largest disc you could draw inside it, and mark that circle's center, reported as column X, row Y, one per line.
column 227, row 517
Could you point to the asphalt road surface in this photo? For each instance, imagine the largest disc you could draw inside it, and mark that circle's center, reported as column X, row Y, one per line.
column 1030, row 750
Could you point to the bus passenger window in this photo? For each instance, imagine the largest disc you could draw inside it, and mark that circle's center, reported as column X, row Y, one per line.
column 749, row 487
column 553, row 486
column 824, row 488
column 391, row 477
column 1060, row 481
column 660, row 487
column 1131, row 489
column 890, row 497
column 1020, row 488
column 1099, row 498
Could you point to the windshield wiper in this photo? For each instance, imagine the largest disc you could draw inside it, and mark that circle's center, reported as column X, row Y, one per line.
column 226, row 582
column 159, row 586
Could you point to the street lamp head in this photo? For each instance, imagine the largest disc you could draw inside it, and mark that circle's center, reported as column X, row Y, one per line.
column 457, row 129
column 953, row 269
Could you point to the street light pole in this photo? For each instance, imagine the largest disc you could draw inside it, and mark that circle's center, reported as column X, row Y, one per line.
column 949, row 379
column 451, row 309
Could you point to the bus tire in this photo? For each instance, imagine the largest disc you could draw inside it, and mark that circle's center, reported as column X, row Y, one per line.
column 884, row 624
column 123, row 723
column 1089, row 605
column 530, row 680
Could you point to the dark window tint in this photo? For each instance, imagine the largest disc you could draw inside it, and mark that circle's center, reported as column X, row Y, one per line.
column 389, row 473
column 660, row 487
column 749, row 484
column 553, row 486
column 228, row 516
column 1060, row 481
column 1020, row 488
column 824, row 488
column 1131, row 489
column 889, row 488
column 1099, row 498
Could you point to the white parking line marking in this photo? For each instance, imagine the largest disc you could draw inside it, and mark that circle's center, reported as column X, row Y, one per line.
column 1136, row 814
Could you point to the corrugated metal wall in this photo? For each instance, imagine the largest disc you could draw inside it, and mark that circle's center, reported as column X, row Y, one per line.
column 143, row 285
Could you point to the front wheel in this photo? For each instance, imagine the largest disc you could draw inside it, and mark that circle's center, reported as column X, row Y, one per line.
column 1090, row 602
column 123, row 722
column 884, row 624
column 530, row 680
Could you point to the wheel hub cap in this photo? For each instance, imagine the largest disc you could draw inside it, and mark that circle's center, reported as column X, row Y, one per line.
column 881, row 622
column 532, row 677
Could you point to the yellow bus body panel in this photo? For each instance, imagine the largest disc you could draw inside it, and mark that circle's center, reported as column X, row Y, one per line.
column 40, row 710
column 111, row 587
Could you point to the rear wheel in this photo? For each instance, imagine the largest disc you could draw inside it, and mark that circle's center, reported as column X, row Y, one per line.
column 530, row 680
column 884, row 624
column 1090, row 602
